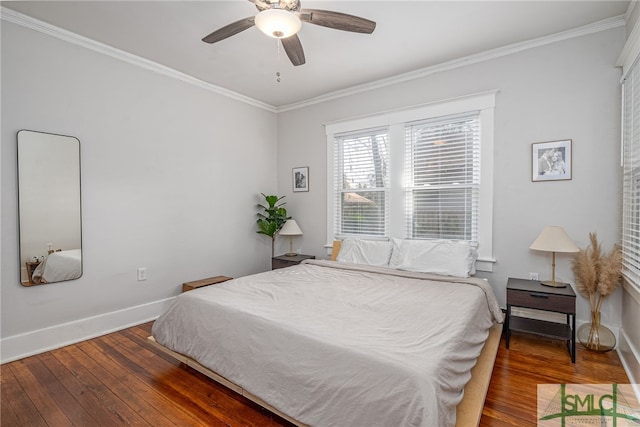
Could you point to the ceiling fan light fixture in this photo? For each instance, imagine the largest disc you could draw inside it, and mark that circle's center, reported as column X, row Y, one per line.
column 278, row 23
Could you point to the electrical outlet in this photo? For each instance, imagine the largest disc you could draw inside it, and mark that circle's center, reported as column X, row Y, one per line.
column 533, row 276
column 142, row 273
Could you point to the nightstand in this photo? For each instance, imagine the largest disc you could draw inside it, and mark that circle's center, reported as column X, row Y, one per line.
column 283, row 261
column 31, row 266
column 189, row 286
column 532, row 294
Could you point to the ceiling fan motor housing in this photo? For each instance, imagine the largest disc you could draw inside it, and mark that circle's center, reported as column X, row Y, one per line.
column 288, row 5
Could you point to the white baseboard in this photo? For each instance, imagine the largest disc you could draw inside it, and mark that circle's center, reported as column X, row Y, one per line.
column 630, row 358
column 35, row 342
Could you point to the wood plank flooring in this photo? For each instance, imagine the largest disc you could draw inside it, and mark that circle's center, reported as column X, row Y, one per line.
column 119, row 379
column 533, row 360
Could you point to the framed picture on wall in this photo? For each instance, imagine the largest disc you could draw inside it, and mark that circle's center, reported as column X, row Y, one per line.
column 551, row 161
column 300, row 179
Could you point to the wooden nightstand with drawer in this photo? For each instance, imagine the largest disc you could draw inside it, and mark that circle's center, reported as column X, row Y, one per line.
column 31, row 267
column 531, row 294
column 283, row 261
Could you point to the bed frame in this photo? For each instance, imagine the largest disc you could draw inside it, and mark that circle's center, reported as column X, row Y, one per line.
column 468, row 412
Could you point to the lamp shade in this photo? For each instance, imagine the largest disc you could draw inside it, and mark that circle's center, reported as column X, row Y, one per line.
column 290, row 228
column 278, row 23
column 554, row 239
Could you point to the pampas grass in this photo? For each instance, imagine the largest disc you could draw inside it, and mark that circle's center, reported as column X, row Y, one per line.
column 586, row 277
column 597, row 275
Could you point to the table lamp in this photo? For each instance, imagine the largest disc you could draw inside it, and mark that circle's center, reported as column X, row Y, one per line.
column 554, row 239
column 290, row 228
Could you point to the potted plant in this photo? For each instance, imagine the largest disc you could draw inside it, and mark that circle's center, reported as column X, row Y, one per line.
column 597, row 276
column 272, row 219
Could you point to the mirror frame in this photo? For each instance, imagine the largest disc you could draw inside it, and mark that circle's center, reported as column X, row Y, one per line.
column 25, row 259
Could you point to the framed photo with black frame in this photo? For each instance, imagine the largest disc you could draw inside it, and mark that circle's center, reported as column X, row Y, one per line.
column 551, row 161
column 300, row 179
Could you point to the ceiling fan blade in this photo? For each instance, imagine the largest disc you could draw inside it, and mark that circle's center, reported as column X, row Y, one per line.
column 294, row 50
column 229, row 30
column 337, row 20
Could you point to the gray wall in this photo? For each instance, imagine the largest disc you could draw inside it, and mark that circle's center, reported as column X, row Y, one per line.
column 171, row 174
column 565, row 90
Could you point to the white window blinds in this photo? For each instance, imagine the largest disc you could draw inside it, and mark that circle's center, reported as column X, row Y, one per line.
column 631, row 177
column 443, row 177
column 361, row 178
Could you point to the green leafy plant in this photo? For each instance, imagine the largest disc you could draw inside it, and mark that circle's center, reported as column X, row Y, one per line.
column 272, row 219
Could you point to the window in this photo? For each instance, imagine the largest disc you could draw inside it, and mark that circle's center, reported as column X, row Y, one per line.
column 443, row 182
column 361, row 183
column 631, row 177
column 415, row 173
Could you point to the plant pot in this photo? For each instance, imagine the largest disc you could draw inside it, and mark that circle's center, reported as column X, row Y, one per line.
column 596, row 337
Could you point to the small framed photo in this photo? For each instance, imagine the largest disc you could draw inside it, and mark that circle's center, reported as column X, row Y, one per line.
column 551, row 161
column 300, row 179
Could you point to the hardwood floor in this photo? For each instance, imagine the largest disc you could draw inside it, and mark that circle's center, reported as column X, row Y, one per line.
column 533, row 360
column 118, row 379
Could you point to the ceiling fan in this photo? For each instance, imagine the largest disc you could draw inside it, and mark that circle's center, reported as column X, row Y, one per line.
column 282, row 19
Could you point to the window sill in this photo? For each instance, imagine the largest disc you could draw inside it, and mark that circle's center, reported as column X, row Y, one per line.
column 485, row 264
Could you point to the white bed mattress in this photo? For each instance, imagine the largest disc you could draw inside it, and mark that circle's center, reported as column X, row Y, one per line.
column 333, row 344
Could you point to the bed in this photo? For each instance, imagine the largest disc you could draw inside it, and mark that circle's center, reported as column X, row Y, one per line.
column 59, row 266
column 339, row 343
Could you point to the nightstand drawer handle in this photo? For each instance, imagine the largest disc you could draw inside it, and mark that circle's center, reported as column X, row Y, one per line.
column 538, row 295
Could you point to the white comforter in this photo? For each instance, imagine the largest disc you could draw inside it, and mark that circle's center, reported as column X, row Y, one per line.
column 333, row 344
column 59, row 266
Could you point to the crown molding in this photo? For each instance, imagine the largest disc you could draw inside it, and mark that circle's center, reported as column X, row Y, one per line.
column 631, row 51
column 603, row 25
column 25, row 21
column 630, row 8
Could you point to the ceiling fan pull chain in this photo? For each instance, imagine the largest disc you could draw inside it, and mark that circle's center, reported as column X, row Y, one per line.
column 278, row 61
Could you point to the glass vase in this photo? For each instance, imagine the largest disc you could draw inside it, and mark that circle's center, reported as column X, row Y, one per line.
column 596, row 337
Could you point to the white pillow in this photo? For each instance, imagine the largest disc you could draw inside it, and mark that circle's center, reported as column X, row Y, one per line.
column 446, row 257
column 369, row 252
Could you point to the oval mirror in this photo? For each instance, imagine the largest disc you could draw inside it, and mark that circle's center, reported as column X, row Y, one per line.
column 49, row 208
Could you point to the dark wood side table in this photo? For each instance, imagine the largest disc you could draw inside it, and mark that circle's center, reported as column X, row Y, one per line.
column 532, row 294
column 283, row 261
column 189, row 286
column 31, row 266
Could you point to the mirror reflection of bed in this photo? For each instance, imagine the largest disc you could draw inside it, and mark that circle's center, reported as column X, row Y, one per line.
column 58, row 266
column 49, row 207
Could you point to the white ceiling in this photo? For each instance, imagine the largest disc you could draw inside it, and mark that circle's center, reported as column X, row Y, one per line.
column 410, row 36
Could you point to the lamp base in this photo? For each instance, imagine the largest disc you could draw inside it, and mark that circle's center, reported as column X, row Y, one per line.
column 290, row 254
column 553, row 284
